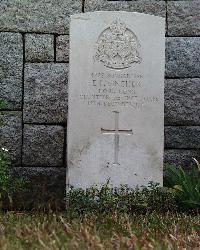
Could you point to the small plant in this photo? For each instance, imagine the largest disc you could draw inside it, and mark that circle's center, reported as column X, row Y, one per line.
column 119, row 200
column 8, row 184
column 185, row 186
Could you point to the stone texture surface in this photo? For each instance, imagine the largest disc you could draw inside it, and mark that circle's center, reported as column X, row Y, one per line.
column 62, row 48
column 45, row 93
column 11, row 62
column 43, row 145
column 39, row 48
column 182, row 137
column 157, row 8
column 44, row 187
column 11, row 135
column 182, row 57
column 182, row 99
column 37, row 15
column 183, row 18
column 181, row 157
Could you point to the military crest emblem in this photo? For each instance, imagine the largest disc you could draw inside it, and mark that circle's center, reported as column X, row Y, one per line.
column 117, row 46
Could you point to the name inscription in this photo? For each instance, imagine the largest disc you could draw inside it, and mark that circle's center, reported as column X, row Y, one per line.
column 116, row 89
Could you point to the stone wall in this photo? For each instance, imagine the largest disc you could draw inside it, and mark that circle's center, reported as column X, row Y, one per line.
column 34, row 43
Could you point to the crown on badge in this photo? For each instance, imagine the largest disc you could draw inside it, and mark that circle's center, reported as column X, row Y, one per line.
column 118, row 27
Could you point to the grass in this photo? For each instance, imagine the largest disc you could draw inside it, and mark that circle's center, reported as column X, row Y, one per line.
column 57, row 231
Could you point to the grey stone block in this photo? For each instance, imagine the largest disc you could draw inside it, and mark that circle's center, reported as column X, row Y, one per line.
column 181, row 157
column 39, row 48
column 182, row 99
column 62, row 48
column 182, row 137
column 182, row 57
column 45, row 93
column 44, row 186
column 11, row 63
column 183, row 18
column 11, row 135
column 144, row 6
column 43, row 145
column 37, row 16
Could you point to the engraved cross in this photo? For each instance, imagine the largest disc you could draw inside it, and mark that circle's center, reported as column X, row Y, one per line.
column 116, row 132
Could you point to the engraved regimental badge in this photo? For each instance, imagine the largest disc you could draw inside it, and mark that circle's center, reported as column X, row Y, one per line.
column 117, row 46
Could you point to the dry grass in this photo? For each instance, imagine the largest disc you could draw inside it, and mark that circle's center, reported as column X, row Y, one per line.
column 56, row 231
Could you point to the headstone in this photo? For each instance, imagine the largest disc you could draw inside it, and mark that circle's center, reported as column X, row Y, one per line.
column 116, row 99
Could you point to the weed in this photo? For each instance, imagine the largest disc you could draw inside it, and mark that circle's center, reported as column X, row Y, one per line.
column 119, row 200
column 185, row 186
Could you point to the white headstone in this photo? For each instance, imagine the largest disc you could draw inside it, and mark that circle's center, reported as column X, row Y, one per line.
column 116, row 99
